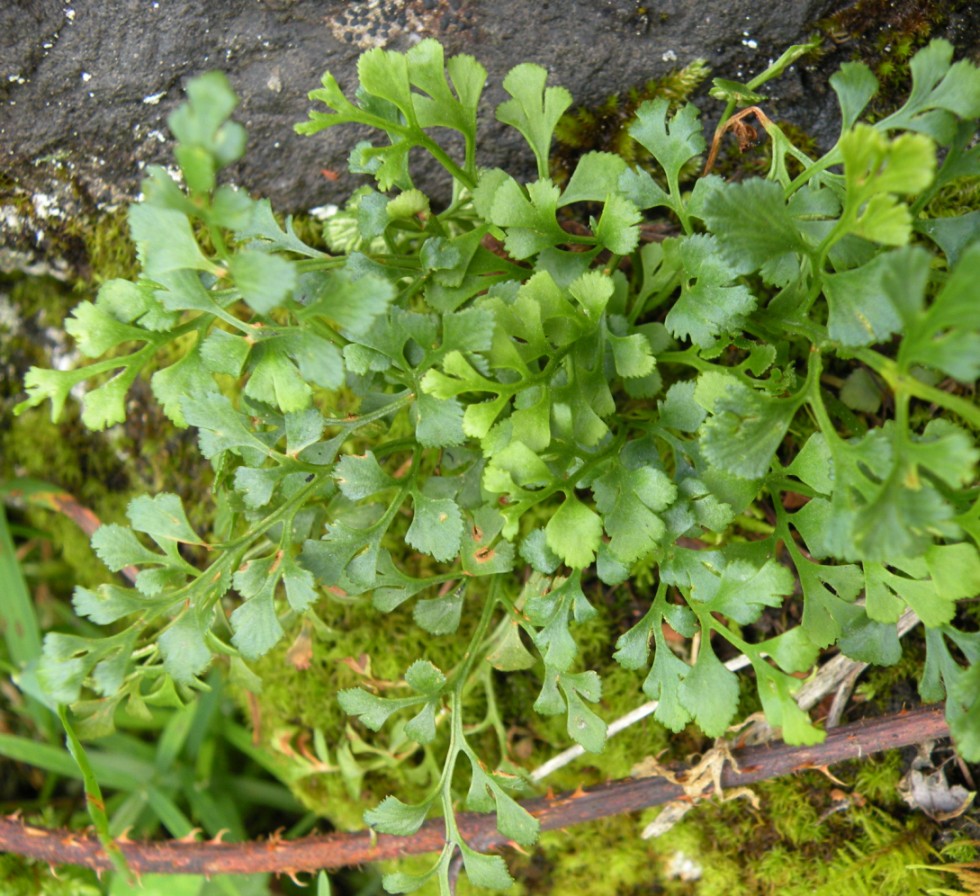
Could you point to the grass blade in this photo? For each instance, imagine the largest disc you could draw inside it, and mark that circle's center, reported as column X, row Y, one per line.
column 93, row 798
column 17, row 617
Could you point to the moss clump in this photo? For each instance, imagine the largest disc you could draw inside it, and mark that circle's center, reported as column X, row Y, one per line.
column 298, row 708
column 884, row 34
column 809, row 836
column 55, row 220
column 959, row 197
column 24, row 877
column 328, row 765
column 606, row 856
column 109, row 252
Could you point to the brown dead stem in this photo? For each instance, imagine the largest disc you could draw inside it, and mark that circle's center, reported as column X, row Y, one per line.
column 754, row 764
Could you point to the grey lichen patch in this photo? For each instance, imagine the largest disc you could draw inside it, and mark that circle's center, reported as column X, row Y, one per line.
column 51, row 226
column 376, row 23
column 24, row 227
column 9, row 319
column 32, row 219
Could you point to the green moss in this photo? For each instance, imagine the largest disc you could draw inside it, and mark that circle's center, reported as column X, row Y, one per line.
column 795, row 820
column 810, row 836
column 603, row 857
column 62, row 225
column 877, row 780
column 883, row 34
column 959, row 197
column 24, row 877
column 108, row 249
column 297, row 706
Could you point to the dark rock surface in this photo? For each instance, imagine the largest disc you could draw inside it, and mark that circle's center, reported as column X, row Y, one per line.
column 85, row 87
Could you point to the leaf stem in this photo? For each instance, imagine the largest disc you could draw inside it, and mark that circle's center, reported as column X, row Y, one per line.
column 903, row 384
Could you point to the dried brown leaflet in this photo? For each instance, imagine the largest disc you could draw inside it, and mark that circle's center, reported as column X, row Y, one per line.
column 744, row 132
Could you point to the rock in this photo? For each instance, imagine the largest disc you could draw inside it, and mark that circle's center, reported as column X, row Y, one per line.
column 86, row 89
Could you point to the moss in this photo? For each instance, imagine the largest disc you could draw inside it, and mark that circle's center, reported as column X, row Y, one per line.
column 298, row 706
column 811, row 835
column 606, row 856
column 959, row 197
column 24, row 877
column 884, row 34
column 808, row 837
column 109, row 252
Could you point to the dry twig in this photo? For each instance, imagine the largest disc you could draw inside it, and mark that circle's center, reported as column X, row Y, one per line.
column 62, row 847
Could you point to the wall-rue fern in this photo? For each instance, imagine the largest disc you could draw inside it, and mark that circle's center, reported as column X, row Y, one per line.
column 423, row 419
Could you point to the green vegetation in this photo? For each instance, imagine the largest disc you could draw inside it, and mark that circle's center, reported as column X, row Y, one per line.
column 482, row 476
column 885, row 36
column 605, row 127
